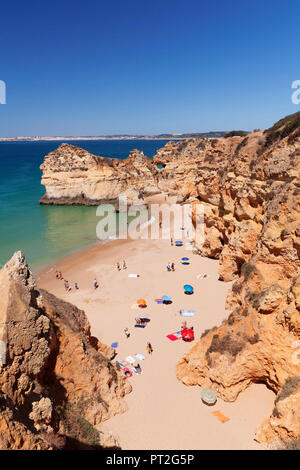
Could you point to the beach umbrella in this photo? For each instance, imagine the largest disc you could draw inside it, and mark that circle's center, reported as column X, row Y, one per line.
column 188, row 288
column 185, row 259
column 141, row 302
column 178, row 243
column 159, row 301
column 187, row 334
column 166, row 297
column 208, row 396
column 114, row 345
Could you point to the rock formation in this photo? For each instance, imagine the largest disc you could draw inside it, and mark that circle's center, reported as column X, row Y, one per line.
column 253, row 227
column 56, row 380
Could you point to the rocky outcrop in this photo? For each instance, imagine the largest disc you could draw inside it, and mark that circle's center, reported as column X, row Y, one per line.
column 257, row 223
column 56, row 380
column 74, row 176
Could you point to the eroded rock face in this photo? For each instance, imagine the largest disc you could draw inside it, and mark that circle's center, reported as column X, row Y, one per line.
column 72, row 175
column 249, row 188
column 56, row 380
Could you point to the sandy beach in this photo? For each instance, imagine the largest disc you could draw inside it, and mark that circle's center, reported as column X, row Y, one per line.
column 162, row 412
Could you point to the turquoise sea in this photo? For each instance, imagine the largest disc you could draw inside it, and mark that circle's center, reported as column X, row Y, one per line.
column 47, row 233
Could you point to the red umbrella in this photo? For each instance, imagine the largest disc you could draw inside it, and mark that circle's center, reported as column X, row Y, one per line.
column 187, row 334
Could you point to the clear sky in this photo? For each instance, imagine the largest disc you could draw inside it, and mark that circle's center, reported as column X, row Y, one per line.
column 107, row 67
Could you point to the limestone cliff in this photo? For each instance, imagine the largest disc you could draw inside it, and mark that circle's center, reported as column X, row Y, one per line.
column 72, row 175
column 253, row 226
column 55, row 380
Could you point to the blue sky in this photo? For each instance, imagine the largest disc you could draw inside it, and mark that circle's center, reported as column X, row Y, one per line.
column 99, row 67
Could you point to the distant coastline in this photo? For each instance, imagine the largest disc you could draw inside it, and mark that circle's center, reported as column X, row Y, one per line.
column 212, row 135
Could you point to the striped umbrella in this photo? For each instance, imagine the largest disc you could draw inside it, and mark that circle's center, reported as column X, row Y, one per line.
column 208, row 396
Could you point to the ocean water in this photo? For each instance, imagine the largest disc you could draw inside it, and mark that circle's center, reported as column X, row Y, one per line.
column 47, row 233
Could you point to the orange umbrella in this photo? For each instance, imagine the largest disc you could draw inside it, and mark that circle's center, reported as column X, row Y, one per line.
column 142, row 302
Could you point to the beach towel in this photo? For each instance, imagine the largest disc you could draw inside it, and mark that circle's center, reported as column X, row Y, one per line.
column 133, row 275
column 130, row 359
column 187, row 313
column 174, row 336
column 139, row 356
column 220, row 416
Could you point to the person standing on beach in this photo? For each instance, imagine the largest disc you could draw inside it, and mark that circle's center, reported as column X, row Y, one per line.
column 118, row 266
column 149, row 348
column 124, row 264
column 172, row 243
column 95, row 284
column 76, row 286
column 173, row 267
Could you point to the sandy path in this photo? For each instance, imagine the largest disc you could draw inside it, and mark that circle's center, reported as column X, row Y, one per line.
column 163, row 413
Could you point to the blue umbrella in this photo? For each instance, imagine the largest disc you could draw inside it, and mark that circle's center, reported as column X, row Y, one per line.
column 166, row 297
column 185, row 259
column 188, row 288
column 114, row 345
column 178, row 243
column 208, row 396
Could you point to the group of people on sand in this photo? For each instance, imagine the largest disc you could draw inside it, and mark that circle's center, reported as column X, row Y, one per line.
column 58, row 275
column 119, row 265
column 171, row 267
column 68, row 288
